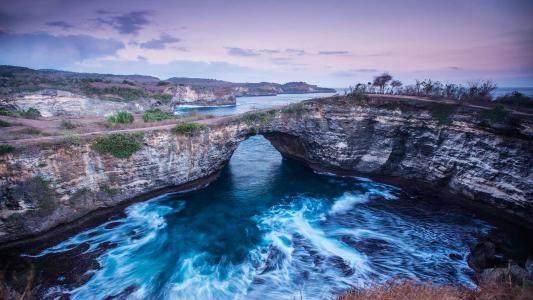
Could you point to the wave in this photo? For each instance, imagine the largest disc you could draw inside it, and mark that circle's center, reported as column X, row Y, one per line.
column 308, row 247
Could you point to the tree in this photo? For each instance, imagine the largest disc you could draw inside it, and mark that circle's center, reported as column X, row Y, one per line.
column 381, row 81
column 395, row 84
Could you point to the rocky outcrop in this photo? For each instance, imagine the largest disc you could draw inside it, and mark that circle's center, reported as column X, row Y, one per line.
column 439, row 147
column 47, row 185
column 52, row 103
column 450, row 148
column 188, row 95
column 60, row 93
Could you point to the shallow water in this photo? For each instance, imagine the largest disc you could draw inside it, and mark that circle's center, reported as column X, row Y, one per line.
column 269, row 228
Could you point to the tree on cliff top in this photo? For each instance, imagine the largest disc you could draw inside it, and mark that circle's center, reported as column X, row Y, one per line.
column 395, row 84
column 381, row 81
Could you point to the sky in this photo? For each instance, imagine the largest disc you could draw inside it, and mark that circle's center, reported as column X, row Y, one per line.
column 331, row 43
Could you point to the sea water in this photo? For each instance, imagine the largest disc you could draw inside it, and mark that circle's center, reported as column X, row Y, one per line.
column 269, row 228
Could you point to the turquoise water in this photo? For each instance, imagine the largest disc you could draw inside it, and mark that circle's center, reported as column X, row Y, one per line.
column 271, row 229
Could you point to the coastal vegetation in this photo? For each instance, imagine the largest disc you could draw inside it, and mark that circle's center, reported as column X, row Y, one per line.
column 497, row 114
column 188, row 128
column 516, row 99
column 30, row 113
column 120, row 145
column 154, row 115
column 262, row 117
column 6, row 148
column 442, row 112
column 72, row 139
column 473, row 92
column 121, row 117
column 67, row 124
column 294, row 108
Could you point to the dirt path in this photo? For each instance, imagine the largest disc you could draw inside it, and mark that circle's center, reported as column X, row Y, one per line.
column 51, row 125
column 52, row 138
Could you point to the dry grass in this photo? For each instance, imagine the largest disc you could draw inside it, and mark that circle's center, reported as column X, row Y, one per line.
column 408, row 290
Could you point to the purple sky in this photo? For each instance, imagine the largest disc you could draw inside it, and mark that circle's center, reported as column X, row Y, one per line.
column 332, row 43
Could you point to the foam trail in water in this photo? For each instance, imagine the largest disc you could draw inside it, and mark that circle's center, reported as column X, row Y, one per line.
column 127, row 263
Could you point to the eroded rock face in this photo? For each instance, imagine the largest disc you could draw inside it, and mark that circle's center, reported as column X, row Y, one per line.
column 413, row 141
column 52, row 103
column 189, row 95
column 44, row 186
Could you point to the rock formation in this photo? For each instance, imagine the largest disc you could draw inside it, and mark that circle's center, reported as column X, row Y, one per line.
column 451, row 148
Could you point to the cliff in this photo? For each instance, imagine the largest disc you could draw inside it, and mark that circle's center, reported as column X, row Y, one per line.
column 60, row 93
column 481, row 156
column 202, row 96
column 469, row 153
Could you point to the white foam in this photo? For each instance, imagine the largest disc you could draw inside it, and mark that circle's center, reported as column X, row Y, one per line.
column 346, row 202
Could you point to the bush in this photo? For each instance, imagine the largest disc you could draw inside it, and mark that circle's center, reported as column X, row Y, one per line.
column 4, row 123
column 358, row 92
column 155, row 115
column 119, row 145
column 122, row 117
column 258, row 117
column 497, row 114
column 294, row 108
column 188, row 129
column 30, row 130
column 30, row 113
column 125, row 93
column 66, row 124
column 442, row 112
column 516, row 99
column 165, row 98
column 6, row 112
column 6, row 148
column 72, row 139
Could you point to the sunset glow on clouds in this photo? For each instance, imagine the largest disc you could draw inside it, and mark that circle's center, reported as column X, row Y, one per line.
column 332, row 43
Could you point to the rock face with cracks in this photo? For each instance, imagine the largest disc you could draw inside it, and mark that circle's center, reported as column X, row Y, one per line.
column 445, row 147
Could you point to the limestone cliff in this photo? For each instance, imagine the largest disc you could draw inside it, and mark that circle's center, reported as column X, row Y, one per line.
column 464, row 150
column 202, row 96
column 52, row 103
column 458, row 149
column 50, row 184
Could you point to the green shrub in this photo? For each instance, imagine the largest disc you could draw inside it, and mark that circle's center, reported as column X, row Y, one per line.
column 516, row 99
column 442, row 112
column 30, row 130
column 66, row 124
column 6, row 148
column 154, row 115
column 4, row 123
column 124, row 93
column 30, row 113
column 259, row 117
column 119, row 145
column 72, row 139
column 122, row 117
column 188, row 129
column 165, row 98
column 497, row 114
column 6, row 112
column 294, row 108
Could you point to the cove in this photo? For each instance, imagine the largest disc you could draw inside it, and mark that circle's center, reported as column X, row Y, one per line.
column 267, row 228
